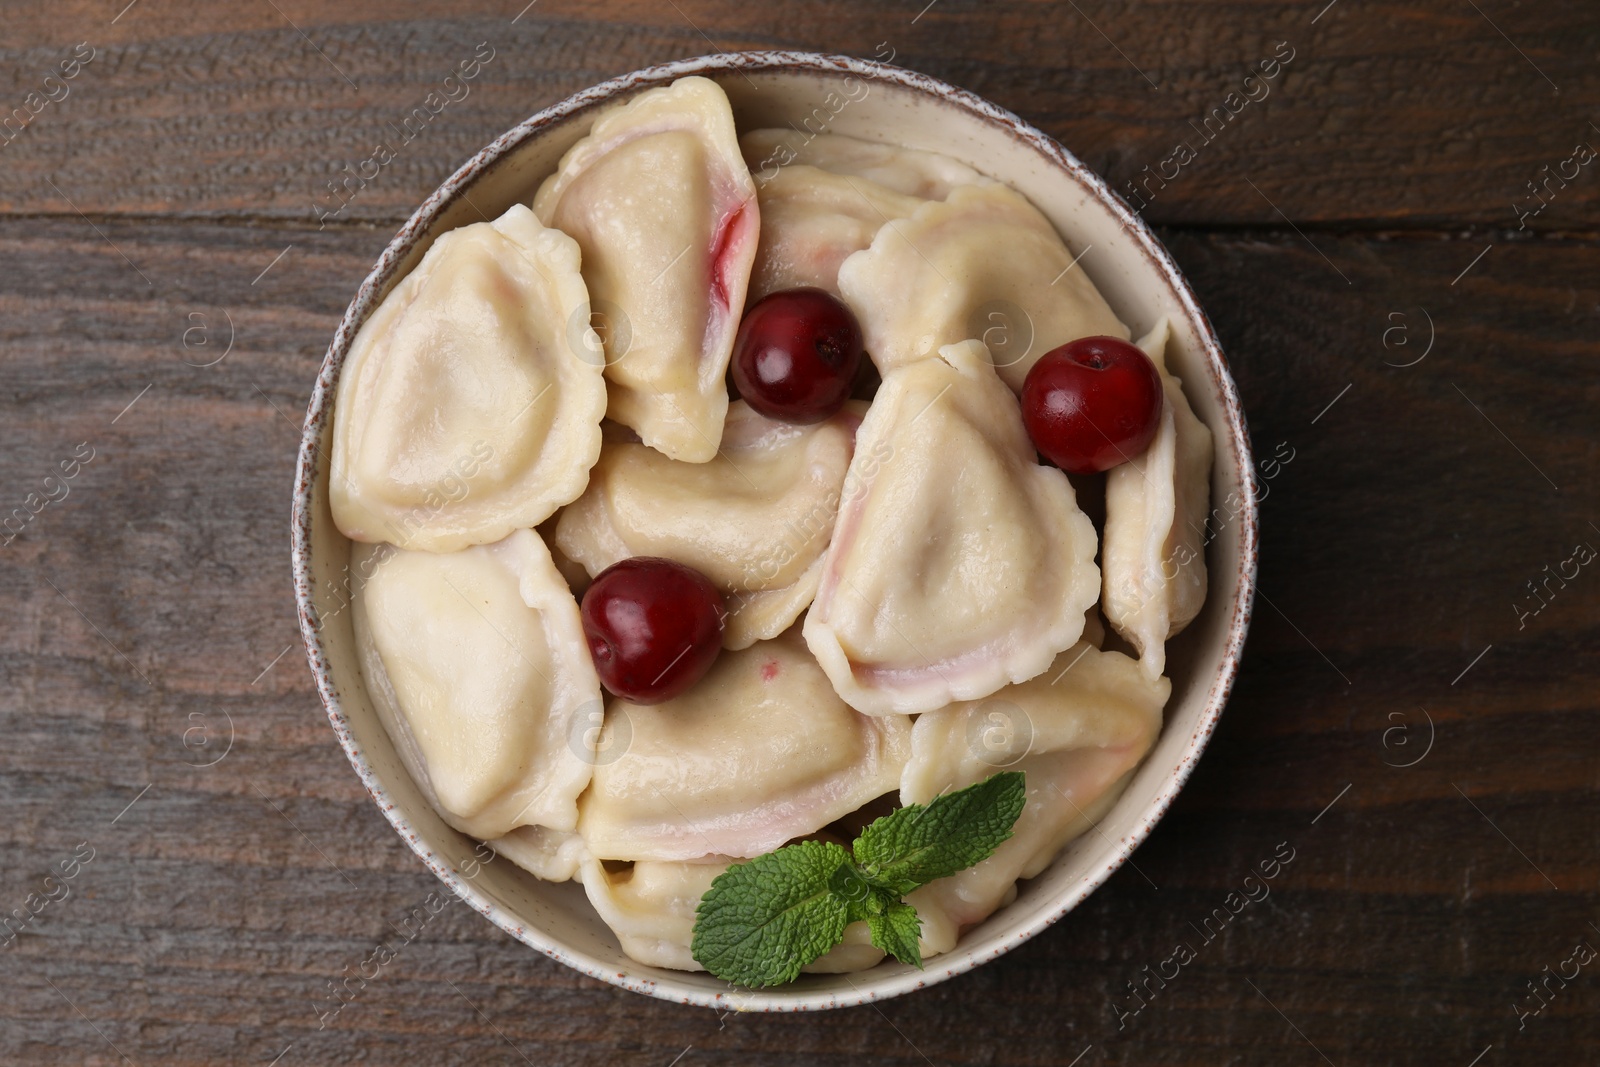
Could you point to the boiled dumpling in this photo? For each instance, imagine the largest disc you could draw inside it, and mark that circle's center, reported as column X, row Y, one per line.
column 464, row 411
column 553, row 855
column 984, row 263
column 650, row 906
column 1076, row 732
column 1155, row 553
column 754, row 520
column 661, row 204
column 927, row 175
column 958, row 563
column 478, row 668
column 811, row 220
column 760, row 751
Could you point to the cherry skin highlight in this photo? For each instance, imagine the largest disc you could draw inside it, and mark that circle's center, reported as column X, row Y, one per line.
column 1092, row 403
column 654, row 628
column 796, row 355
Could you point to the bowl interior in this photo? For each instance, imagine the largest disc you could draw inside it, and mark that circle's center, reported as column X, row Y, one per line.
column 809, row 94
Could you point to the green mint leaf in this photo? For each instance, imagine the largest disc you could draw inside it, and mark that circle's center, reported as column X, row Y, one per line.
column 871, row 907
column 849, row 886
column 920, row 843
column 760, row 922
column 896, row 932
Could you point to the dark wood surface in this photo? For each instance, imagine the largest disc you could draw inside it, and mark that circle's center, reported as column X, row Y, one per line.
column 149, row 625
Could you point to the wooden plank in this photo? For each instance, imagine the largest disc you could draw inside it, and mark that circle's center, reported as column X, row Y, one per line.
column 1379, row 117
column 221, row 903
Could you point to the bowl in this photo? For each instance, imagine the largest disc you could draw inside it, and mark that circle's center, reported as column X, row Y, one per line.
column 880, row 103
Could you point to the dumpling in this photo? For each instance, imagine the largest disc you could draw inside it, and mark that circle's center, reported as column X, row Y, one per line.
column 1076, row 732
column 811, row 220
column 553, row 855
column 984, row 263
column 759, row 752
column 658, row 198
column 958, row 563
column 928, row 175
column 1155, row 552
column 464, row 411
column 755, row 520
column 650, row 906
column 477, row 666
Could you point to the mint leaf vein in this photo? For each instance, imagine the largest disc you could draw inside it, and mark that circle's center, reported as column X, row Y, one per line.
column 921, row 843
column 762, row 921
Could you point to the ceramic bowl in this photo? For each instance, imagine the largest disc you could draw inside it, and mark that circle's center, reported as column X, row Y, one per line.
column 810, row 92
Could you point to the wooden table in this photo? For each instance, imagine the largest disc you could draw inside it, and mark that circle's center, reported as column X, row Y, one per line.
column 1413, row 720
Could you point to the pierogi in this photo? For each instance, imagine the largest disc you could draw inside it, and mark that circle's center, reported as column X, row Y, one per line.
column 659, row 200
column 959, row 564
column 1154, row 559
column 650, row 906
column 925, row 175
column 1075, row 731
column 478, row 667
column 981, row 263
column 811, row 220
column 759, row 752
column 912, row 600
column 463, row 412
column 719, row 516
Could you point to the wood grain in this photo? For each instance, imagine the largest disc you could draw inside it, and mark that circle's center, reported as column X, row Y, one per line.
column 1384, row 116
column 218, row 907
column 1425, row 748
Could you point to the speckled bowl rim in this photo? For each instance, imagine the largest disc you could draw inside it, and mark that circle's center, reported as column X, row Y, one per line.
column 320, row 410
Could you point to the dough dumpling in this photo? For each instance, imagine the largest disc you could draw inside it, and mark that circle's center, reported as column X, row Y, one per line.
column 659, row 199
column 1076, row 732
column 984, row 263
column 958, row 564
column 758, row 753
column 755, row 520
column 910, row 171
column 1155, row 552
column 811, row 219
column 650, row 906
column 464, row 411
column 553, row 855
column 477, row 665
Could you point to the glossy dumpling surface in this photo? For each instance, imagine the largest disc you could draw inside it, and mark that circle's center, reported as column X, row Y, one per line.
column 659, row 199
column 1154, row 560
column 553, row 855
column 463, row 410
column 958, row 564
column 928, row 175
column 755, row 520
column 478, row 668
column 983, row 263
column 811, row 219
column 1076, row 731
column 759, row 752
column 650, row 906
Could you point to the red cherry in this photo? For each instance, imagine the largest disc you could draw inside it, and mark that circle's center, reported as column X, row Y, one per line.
column 654, row 627
column 1092, row 403
column 796, row 355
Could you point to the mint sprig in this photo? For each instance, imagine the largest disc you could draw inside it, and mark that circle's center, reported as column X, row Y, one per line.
column 896, row 932
column 920, row 843
column 766, row 919
column 762, row 921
